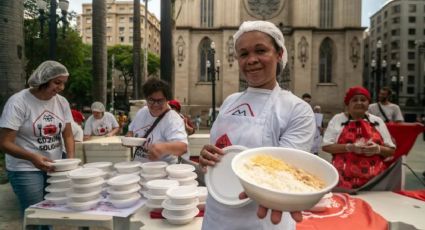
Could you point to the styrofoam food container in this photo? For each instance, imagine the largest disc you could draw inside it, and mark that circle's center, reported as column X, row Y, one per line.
column 124, row 194
column 154, row 167
column 127, row 166
column 179, row 219
column 159, row 187
column 154, row 205
column 182, row 194
column 57, row 192
column 133, row 141
column 125, row 203
column 85, row 175
column 82, row 206
column 134, row 173
column 103, row 165
column 156, row 176
column 202, row 193
column 287, row 201
column 65, row 164
column 180, row 170
column 59, row 183
column 83, row 197
column 191, row 183
column 179, row 210
column 60, row 175
column 151, row 196
column 201, row 205
column 90, row 187
column 58, row 200
column 190, row 176
column 123, row 182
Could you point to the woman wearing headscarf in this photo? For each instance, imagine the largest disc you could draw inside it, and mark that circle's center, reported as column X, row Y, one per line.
column 31, row 127
column 358, row 141
column 262, row 115
column 100, row 123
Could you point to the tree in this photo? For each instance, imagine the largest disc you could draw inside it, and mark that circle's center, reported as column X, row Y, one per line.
column 99, row 52
column 11, row 48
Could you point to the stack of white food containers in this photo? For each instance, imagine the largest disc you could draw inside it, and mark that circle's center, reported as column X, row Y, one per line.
column 152, row 171
column 106, row 167
column 86, row 188
column 202, row 197
column 124, row 190
column 59, row 182
column 128, row 167
column 180, row 207
column 183, row 173
column 156, row 192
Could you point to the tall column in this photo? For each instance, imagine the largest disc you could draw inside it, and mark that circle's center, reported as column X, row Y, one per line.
column 166, row 42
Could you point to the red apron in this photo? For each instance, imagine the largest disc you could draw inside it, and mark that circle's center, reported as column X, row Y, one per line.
column 356, row 169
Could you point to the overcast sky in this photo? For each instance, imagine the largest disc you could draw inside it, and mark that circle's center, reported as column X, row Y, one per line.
column 369, row 7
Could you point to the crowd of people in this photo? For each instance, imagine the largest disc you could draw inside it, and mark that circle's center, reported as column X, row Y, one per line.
column 38, row 125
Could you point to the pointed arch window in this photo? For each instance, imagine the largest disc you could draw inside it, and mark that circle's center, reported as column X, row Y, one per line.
column 207, row 13
column 204, row 47
column 325, row 62
column 326, row 13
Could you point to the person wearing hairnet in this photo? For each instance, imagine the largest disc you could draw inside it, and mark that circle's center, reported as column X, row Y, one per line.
column 100, row 123
column 262, row 115
column 31, row 126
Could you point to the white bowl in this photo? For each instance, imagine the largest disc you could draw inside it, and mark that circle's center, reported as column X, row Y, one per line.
column 65, row 164
column 57, row 192
column 185, row 180
column 60, row 175
column 180, row 170
column 133, row 173
column 58, row 200
column 160, row 187
column 133, row 141
column 179, row 219
column 59, row 183
column 125, row 203
column 179, row 210
column 286, row 201
column 90, row 187
column 85, row 175
column 182, row 195
column 124, row 194
column 127, row 166
column 147, row 177
column 123, row 182
column 151, row 196
column 154, row 167
column 105, row 166
column 82, row 206
column 202, row 193
column 154, row 205
column 83, row 197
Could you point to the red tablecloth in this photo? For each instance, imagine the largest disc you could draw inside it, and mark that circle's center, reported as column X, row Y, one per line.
column 343, row 212
column 405, row 135
column 416, row 194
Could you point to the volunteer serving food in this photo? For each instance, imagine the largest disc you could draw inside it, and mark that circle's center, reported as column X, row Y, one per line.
column 100, row 123
column 262, row 115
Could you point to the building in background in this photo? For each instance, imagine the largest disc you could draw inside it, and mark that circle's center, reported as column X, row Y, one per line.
column 323, row 39
column 400, row 26
column 119, row 25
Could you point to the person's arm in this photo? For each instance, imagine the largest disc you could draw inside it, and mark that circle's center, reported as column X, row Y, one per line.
column 113, row 132
column 114, row 124
column 8, row 145
column 69, row 142
column 157, row 150
column 189, row 126
column 398, row 115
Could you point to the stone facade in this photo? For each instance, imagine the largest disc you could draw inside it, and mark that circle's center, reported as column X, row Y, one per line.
column 305, row 31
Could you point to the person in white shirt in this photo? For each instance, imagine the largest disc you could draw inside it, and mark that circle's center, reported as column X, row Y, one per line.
column 34, row 126
column 166, row 139
column 262, row 115
column 100, row 123
column 384, row 109
column 319, row 129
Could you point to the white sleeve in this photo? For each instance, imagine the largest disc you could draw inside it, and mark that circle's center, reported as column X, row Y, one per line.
column 398, row 115
column 332, row 131
column 383, row 130
column 113, row 120
column 176, row 129
column 88, row 126
column 66, row 109
column 77, row 131
column 13, row 115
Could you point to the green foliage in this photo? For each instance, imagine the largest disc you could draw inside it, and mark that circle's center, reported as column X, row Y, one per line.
column 153, row 64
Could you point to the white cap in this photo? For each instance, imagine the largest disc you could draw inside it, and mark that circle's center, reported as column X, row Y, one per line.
column 47, row 71
column 97, row 107
column 267, row 28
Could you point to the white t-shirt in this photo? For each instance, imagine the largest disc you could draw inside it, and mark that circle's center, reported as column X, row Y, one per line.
column 39, row 125
column 334, row 130
column 77, row 132
column 100, row 127
column 392, row 111
column 170, row 128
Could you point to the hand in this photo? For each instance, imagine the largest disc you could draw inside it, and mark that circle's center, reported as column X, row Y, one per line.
column 276, row 216
column 154, row 151
column 209, row 155
column 356, row 148
column 371, row 148
column 43, row 163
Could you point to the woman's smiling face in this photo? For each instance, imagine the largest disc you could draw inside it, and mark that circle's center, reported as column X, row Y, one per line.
column 258, row 59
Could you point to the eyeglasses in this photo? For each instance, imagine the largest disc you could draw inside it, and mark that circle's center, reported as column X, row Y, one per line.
column 152, row 101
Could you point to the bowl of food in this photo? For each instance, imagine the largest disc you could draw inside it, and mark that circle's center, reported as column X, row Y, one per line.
column 284, row 179
column 132, row 141
column 65, row 164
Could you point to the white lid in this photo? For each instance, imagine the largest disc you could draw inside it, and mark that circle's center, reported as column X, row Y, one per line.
column 167, row 204
column 127, row 164
column 154, row 164
column 53, row 180
column 151, row 204
column 134, row 196
column 133, row 189
column 85, row 173
column 82, row 204
column 124, row 179
column 149, row 176
column 162, row 184
column 168, row 214
column 50, row 188
column 222, row 182
column 79, row 195
column 202, row 191
column 101, row 181
column 65, row 162
column 190, row 176
column 51, row 197
column 180, row 168
column 61, row 174
column 98, row 165
column 150, row 196
column 182, row 192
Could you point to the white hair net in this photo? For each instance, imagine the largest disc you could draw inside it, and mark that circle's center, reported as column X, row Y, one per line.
column 267, row 28
column 97, row 107
column 47, row 71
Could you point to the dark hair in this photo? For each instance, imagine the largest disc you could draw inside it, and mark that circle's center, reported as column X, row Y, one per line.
column 388, row 89
column 153, row 85
column 306, row 95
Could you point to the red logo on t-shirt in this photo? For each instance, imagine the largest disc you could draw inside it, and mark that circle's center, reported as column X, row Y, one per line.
column 242, row 110
column 223, row 142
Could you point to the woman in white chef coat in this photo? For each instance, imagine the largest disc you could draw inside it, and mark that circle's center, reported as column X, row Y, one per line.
column 262, row 115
